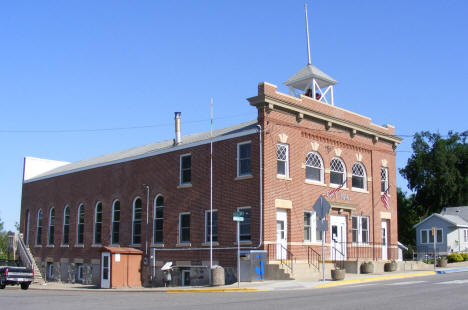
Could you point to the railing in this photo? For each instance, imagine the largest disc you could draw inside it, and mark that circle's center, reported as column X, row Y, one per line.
column 24, row 253
column 369, row 250
column 338, row 258
column 313, row 258
column 427, row 252
column 287, row 260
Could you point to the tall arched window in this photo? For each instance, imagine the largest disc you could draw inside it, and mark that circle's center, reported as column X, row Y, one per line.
column 98, row 223
column 115, row 222
column 80, row 225
column 359, row 176
column 66, row 226
column 314, row 167
column 337, row 171
column 158, row 219
column 136, row 227
column 51, row 226
column 39, row 228
column 26, row 228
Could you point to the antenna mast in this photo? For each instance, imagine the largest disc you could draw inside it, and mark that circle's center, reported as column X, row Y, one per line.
column 307, row 31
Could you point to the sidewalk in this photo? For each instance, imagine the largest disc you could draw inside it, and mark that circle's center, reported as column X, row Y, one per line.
column 269, row 285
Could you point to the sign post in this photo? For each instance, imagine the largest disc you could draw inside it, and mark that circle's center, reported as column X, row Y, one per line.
column 322, row 207
column 434, row 235
column 238, row 217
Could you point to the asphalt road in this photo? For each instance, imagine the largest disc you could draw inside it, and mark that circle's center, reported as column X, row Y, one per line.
column 441, row 292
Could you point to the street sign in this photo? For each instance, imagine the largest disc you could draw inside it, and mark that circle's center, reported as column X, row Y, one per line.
column 322, row 207
column 322, row 225
column 238, row 216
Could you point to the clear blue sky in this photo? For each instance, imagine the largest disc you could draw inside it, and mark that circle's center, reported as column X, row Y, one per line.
column 85, row 65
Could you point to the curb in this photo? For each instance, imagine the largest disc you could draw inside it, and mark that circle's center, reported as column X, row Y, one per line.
column 213, row 290
column 374, row 279
column 451, row 270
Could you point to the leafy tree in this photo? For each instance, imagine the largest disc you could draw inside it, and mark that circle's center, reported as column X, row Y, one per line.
column 3, row 242
column 437, row 172
column 407, row 217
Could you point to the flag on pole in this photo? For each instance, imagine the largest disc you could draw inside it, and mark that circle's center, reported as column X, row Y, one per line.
column 385, row 199
column 336, row 190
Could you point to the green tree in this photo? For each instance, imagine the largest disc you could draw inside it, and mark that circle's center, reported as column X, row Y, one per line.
column 3, row 242
column 437, row 172
column 407, row 218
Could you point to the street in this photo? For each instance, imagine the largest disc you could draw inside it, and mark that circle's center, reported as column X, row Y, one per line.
column 448, row 291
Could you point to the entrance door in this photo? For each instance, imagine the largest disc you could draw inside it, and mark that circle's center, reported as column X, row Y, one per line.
column 105, row 270
column 384, row 241
column 281, row 234
column 185, row 277
column 338, row 237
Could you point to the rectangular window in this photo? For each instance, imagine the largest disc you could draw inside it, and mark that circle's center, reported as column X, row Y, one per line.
column 116, row 222
column 186, row 169
column 307, row 227
column 423, row 236
column 439, row 235
column 465, row 235
column 98, row 224
column 428, row 237
column 80, row 272
column 282, row 156
column 80, row 228
column 383, row 179
column 244, row 226
column 208, row 226
column 66, row 226
column 184, row 228
column 360, row 228
column 137, row 217
column 244, row 162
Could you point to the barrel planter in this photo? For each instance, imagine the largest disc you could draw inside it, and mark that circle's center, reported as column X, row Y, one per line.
column 338, row 274
column 389, row 267
column 442, row 262
column 367, row 267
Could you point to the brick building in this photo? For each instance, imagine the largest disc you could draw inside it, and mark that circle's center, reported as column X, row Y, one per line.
column 156, row 198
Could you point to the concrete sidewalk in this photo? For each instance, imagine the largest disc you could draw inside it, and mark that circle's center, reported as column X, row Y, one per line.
column 263, row 285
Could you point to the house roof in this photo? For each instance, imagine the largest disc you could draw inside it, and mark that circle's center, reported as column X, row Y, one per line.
column 150, row 150
column 452, row 219
column 461, row 211
column 300, row 79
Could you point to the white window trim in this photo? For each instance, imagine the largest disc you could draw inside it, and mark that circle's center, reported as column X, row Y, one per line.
column 95, row 222
column 313, row 228
column 245, row 208
column 38, row 218
column 238, row 159
column 112, row 222
column 428, row 233
column 322, row 170
column 286, row 169
column 386, row 180
column 81, row 205
column 359, row 229
column 50, row 226
column 207, row 212
column 465, row 235
column 345, row 175
column 180, row 169
column 63, row 225
column 364, row 181
column 133, row 219
column 180, row 227
column 155, row 218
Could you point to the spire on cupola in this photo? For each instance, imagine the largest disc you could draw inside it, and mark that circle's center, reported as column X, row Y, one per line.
column 310, row 80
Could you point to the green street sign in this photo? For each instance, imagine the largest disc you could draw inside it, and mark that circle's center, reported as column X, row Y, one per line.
column 238, row 216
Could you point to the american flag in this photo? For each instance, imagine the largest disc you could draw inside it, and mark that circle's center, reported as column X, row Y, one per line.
column 336, row 190
column 384, row 198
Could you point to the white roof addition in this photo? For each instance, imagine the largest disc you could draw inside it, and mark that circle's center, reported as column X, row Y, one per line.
column 301, row 79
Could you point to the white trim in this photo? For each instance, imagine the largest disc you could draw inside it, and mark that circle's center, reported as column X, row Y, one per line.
column 322, row 169
column 95, row 222
column 345, row 174
column 238, row 159
column 63, row 225
column 180, row 242
column 133, row 219
column 78, row 223
column 154, row 153
column 364, row 181
column 286, row 168
column 50, row 226
column 428, row 236
column 180, row 169
column 155, row 218
column 112, row 222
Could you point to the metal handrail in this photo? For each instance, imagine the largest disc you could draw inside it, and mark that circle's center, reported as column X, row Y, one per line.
column 24, row 254
column 338, row 263
column 313, row 258
column 288, row 263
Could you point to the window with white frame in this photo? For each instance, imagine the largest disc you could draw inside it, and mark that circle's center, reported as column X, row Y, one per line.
column 98, row 223
column 185, row 169
column 360, row 228
column 136, row 227
column 184, row 228
column 158, row 219
column 318, row 233
column 427, row 237
column 244, row 160
column 337, row 171
column 244, row 226
column 282, row 156
column 39, row 228
column 80, row 225
column 66, row 226
column 383, row 179
column 51, row 226
column 115, row 222
column 465, row 235
column 359, row 176
column 208, row 226
column 314, row 167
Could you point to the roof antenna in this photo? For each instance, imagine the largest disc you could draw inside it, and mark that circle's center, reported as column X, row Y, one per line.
column 307, row 31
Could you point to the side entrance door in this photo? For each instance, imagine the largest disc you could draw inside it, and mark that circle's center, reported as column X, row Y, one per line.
column 338, row 237
column 384, row 240
column 105, row 270
column 281, row 234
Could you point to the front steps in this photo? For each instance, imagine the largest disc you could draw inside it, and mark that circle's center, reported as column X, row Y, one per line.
column 302, row 271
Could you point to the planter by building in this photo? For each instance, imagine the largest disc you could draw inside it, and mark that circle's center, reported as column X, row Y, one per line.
column 390, row 267
column 367, row 267
column 338, row 274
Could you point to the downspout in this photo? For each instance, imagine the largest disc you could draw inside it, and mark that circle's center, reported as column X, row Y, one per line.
column 373, row 207
column 147, row 218
column 261, row 183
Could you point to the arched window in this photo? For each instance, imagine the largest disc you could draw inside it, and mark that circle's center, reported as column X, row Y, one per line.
column 39, row 228
column 51, row 226
column 115, row 222
column 158, row 219
column 97, row 223
column 136, row 227
column 26, row 228
column 80, row 225
column 359, row 176
column 337, row 171
column 314, row 167
column 66, row 226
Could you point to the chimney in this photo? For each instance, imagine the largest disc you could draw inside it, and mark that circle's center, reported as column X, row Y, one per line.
column 177, row 139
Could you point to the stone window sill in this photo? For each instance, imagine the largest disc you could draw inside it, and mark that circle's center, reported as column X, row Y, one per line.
column 215, row 243
column 243, row 177
column 183, row 245
column 314, row 183
column 283, row 177
column 243, row 242
column 64, row 246
column 157, row 245
column 79, row 245
column 187, row 185
column 359, row 190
